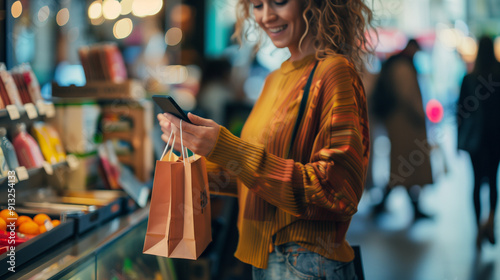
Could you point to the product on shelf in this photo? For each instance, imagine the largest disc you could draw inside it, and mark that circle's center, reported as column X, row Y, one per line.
column 13, row 95
column 8, row 216
column 8, row 150
column 79, row 125
column 26, row 226
column 49, row 141
column 55, row 141
column 27, row 84
column 29, row 227
column 115, row 122
column 4, row 168
column 3, row 95
column 31, row 83
column 41, row 218
column 109, row 164
column 21, row 219
column 113, row 63
column 103, row 62
column 27, row 149
column 42, row 137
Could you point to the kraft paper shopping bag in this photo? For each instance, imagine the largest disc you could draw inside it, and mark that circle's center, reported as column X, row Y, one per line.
column 179, row 223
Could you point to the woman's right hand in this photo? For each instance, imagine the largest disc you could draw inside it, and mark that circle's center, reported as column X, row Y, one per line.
column 199, row 137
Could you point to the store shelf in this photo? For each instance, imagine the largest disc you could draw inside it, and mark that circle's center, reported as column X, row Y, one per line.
column 104, row 90
column 28, row 113
column 35, row 176
column 123, row 135
column 127, row 160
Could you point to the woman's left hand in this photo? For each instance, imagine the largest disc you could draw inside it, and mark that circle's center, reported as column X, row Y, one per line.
column 200, row 137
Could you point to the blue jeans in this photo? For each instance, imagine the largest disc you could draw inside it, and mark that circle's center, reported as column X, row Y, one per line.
column 291, row 261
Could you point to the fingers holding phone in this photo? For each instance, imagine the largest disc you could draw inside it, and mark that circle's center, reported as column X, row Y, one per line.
column 199, row 136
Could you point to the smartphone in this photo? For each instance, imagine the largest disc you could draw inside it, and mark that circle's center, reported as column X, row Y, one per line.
column 168, row 105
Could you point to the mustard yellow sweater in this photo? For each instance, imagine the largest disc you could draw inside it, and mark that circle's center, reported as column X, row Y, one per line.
column 310, row 198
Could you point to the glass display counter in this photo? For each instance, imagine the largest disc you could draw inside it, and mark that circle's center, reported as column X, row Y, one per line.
column 111, row 251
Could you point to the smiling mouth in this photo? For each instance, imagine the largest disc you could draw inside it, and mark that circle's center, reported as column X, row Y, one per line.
column 278, row 29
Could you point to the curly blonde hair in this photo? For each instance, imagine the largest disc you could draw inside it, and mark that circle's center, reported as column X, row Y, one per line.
column 338, row 27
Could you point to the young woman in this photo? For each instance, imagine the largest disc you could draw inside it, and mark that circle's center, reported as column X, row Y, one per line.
column 478, row 120
column 296, row 199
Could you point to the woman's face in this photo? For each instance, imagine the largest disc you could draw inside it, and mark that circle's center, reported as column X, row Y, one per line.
column 281, row 20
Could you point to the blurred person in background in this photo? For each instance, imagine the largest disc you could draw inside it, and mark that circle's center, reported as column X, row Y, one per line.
column 397, row 103
column 296, row 201
column 478, row 119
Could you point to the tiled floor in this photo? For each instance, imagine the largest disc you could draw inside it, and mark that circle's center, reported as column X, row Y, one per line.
column 393, row 247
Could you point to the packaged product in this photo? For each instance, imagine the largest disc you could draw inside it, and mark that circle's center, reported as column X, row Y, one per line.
column 114, row 64
column 4, row 168
column 42, row 137
column 8, row 150
column 83, row 53
column 21, row 86
column 31, row 83
column 103, row 62
column 55, row 141
column 3, row 95
column 27, row 149
column 10, row 86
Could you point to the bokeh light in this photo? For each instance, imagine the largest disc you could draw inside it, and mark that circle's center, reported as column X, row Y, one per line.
column 142, row 8
column 450, row 37
column 123, row 28
column 62, row 17
column 111, row 9
column 95, row 10
column 16, row 9
column 434, row 111
column 43, row 13
column 126, row 6
column 173, row 36
column 468, row 49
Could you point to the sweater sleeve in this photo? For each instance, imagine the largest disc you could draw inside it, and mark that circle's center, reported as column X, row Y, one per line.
column 220, row 181
column 332, row 182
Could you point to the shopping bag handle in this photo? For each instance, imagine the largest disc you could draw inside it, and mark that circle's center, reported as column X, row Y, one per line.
column 166, row 147
column 183, row 149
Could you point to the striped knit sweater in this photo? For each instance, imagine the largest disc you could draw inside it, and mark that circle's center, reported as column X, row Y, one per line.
column 310, row 197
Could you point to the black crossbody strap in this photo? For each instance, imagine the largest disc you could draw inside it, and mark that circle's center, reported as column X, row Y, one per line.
column 302, row 107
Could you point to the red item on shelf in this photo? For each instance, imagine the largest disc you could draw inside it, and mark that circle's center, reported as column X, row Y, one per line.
column 12, row 93
column 19, row 238
column 4, row 98
column 31, row 83
column 27, row 150
column 115, row 64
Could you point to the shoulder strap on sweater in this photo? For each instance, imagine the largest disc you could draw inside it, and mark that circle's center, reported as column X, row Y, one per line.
column 302, row 107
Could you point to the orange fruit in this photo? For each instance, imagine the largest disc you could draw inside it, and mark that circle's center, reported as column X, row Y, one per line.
column 29, row 228
column 3, row 225
column 40, row 219
column 42, row 229
column 7, row 215
column 55, row 223
column 23, row 219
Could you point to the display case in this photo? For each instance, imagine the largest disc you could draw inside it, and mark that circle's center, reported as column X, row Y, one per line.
column 111, row 250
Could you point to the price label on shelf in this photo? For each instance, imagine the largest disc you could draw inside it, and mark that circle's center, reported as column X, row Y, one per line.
column 31, row 111
column 72, row 161
column 40, row 105
column 13, row 112
column 48, row 168
column 22, row 173
column 50, row 110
